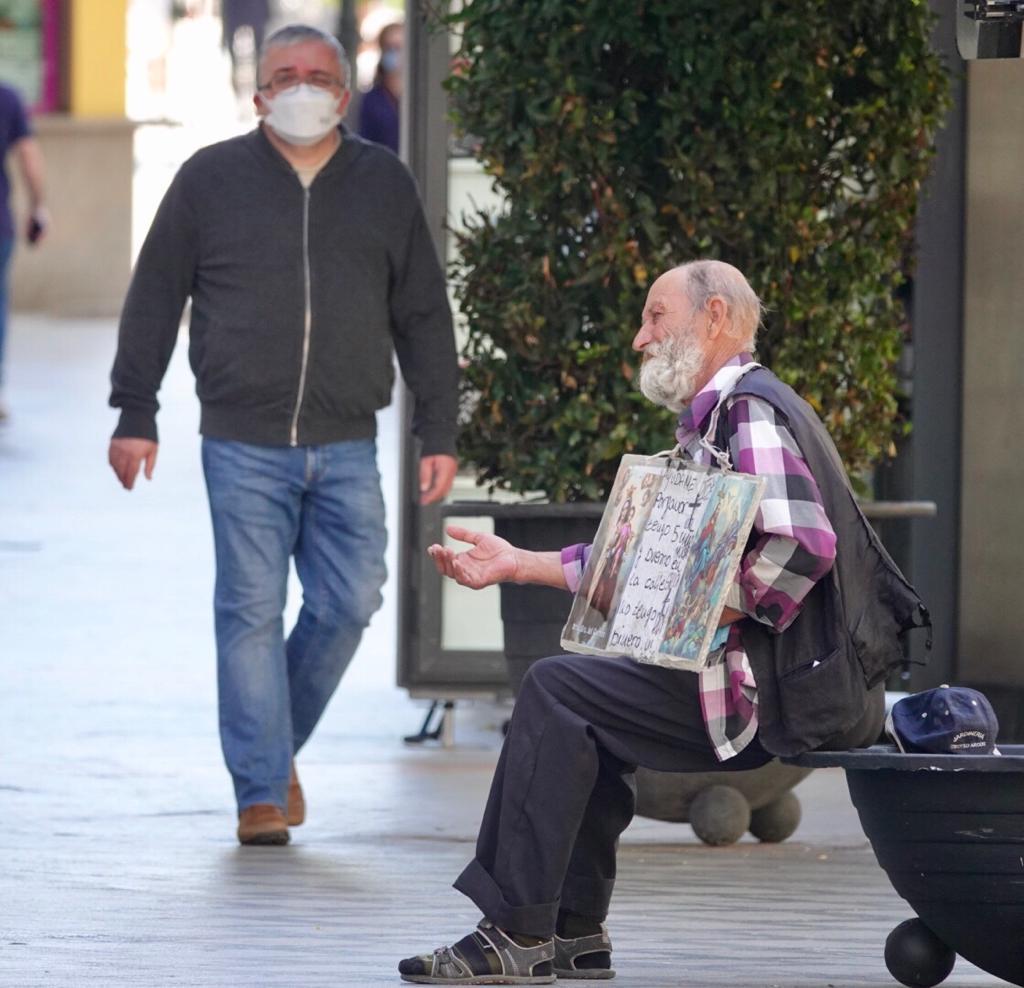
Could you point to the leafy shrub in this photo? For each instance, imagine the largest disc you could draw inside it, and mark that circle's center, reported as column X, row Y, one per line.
column 789, row 137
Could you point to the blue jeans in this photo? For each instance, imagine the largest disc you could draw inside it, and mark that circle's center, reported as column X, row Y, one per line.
column 323, row 505
column 6, row 249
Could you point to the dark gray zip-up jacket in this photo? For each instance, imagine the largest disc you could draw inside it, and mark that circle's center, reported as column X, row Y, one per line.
column 813, row 678
column 299, row 298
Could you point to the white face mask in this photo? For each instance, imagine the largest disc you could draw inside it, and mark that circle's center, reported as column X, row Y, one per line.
column 303, row 114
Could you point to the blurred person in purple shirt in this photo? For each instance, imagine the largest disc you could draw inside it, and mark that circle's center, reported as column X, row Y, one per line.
column 378, row 111
column 16, row 137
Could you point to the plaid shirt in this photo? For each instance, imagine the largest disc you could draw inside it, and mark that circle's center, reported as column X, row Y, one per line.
column 792, row 546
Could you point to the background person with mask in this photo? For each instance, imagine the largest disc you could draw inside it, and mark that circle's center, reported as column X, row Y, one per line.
column 308, row 261
column 378, row 110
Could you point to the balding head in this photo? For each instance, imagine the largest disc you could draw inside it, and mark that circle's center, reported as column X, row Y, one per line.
column 703, row 281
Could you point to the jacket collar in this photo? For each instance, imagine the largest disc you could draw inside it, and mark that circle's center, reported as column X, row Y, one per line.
column 351, row 147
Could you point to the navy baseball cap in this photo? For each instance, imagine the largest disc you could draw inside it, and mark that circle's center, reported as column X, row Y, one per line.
column 949, row 720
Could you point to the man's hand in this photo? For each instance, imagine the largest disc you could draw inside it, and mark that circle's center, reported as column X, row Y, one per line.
column 37, row 225
column 436, row 475
column 127, row 455
column 491, row 560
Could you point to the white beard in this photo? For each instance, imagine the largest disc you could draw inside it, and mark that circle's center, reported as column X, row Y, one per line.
column 670, row 371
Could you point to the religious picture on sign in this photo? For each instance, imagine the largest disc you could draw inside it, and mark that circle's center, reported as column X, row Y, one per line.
column 662, row 562
column 614, row 547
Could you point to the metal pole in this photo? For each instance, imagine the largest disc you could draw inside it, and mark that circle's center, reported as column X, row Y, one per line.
column 424, row 146
column 348, row 29
column 348, row 35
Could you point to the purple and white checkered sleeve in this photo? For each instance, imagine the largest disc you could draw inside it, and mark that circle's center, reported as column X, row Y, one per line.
column 574, row 562
column 794, row 545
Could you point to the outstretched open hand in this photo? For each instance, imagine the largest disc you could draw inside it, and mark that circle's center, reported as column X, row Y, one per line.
column 491, row 560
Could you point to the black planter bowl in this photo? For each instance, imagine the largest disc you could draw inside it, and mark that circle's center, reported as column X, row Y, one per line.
column 949, row 832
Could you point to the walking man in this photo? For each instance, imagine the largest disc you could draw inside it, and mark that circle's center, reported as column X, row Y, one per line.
column 307, row 259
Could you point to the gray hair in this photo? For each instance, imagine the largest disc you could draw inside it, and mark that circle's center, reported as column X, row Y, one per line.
column 706, row 279
column 298, row 34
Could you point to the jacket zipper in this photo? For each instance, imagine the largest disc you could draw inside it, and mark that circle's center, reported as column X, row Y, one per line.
column 308, row 325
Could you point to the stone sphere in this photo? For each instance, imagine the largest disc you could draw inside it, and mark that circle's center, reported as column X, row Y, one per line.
column 720, row 815
column 776, row 821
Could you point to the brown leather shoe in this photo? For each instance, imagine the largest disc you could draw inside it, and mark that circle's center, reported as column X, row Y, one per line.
column 296, row 801
column 262, row 823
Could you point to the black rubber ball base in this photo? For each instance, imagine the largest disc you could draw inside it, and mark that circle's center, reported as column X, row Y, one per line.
column 917, row 957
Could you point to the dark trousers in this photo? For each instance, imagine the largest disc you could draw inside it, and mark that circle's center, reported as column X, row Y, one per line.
column 563, row 790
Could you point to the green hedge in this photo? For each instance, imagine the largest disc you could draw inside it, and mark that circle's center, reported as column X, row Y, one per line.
column 789, row 138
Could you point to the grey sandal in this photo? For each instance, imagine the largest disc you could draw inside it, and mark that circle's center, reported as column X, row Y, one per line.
column 568, row 952
column 455, row 965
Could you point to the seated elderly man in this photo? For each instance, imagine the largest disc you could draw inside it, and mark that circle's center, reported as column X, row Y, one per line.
column 809, row 633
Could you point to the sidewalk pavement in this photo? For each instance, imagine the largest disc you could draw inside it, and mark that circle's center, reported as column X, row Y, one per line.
column 119, row 860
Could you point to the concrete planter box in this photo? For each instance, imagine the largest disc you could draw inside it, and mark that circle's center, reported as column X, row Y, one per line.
column 83, row 266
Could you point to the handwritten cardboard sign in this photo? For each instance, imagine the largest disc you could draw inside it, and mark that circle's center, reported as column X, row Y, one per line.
column 663, row 560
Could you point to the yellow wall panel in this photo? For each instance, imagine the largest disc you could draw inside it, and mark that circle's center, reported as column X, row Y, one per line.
column 98, row 55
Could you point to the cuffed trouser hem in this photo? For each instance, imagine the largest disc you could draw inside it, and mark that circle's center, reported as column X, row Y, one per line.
column 535, row 921
column 586, row 896
column 281, row 804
